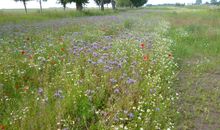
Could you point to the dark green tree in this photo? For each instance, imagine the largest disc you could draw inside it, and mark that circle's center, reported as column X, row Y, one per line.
column 79, row 3
column 102, row 2
column 138, row 3
column 25, row 4
column 198, row 2
column 63, row 3
column 113, row 4
column 124, row 3
column 213, row 1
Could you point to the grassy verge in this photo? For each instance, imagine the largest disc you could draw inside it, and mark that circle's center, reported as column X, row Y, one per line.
column 197, row 48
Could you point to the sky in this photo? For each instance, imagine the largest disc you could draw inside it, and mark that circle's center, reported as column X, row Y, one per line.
column 11, row 4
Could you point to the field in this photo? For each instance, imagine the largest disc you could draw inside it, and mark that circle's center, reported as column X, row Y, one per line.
column 141, row 69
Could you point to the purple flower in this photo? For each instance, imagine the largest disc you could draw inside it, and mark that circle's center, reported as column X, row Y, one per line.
column 113, row 62
column 58, row 94
column 130, row 81
column 107, row 68
column 89, row 50
column 113, row 81
column 94, row 46
column 100, row 61
column 40, row 91
column 80, row 49
column 94, row 63
column 95, row 54
column 108, row 37
column 105, row 48
column 119, row 65
column 116, row 91
column 131, row 115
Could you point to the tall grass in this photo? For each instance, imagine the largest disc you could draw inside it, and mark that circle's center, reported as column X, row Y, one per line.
column 18, row 16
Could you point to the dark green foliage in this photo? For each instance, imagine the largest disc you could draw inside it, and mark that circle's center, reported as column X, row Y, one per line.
column 124, row 3
column 102, row 2
column 138, row 3
column 215, row 2
column 198, row 2
column 79, row 3
column 98, row 2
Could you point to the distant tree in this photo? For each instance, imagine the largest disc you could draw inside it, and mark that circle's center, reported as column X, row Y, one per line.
column 79, row 3
column 213, row 1
column 198, row 2
column 180, row 4
column 63, row 2
column 40, row 2
column 113, row 4
column 102, row 2
column 102, row 5
column 124, row 3
column 24, row 2
column 98, row 2
column 138, row 3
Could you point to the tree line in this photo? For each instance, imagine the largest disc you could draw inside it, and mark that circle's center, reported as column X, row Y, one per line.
column 100, row 3
column 212, row 2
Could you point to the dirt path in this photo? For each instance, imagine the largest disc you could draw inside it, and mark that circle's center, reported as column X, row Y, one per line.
column 200, row 98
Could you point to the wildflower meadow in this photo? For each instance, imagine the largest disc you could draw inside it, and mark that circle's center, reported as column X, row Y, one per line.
column 122, row 71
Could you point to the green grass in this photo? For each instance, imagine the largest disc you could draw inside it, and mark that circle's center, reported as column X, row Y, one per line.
column 19, row 16
column 197, row 49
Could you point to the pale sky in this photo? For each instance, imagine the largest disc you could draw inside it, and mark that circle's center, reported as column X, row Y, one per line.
column 10, row 4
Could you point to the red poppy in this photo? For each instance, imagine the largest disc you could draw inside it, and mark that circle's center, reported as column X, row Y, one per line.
column 23, row 52
column 53, row 62
column 2, row 127
column 142, row 45
column 16, row 86
column 146, row 57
